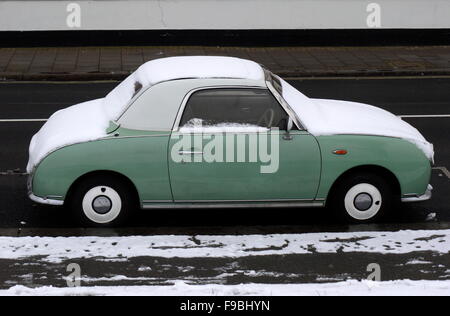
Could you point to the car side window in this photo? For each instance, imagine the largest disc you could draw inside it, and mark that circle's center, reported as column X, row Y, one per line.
column 234, row 107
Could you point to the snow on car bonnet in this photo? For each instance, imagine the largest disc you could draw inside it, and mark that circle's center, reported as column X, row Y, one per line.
column 89, row 121
column 331, row 117
column 79, row 123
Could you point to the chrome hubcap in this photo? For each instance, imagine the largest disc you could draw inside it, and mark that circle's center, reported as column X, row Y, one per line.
column 102, row 204
column 363, row 202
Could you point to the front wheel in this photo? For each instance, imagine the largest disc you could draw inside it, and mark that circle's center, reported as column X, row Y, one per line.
column 101, row 201
column 362, row 198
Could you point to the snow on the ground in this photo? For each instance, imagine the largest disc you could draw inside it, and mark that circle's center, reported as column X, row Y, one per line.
column 348, row 288
column 117, row 248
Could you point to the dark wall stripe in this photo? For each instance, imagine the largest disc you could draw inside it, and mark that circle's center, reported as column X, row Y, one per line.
column 366, row 37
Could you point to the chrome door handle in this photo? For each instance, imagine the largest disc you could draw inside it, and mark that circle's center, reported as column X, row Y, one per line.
column 185, row 152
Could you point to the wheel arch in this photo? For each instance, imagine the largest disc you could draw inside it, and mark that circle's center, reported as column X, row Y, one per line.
column 375, row 169
column 110, row 173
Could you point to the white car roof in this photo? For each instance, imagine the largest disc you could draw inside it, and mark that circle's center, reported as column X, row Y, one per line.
column 175, row 68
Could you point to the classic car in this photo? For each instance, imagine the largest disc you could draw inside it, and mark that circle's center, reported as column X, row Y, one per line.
column 220, row 132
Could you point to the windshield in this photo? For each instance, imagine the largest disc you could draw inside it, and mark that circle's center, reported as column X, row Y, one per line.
column 118, row 99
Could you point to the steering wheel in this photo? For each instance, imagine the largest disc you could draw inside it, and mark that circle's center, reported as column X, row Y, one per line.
column 267, row 118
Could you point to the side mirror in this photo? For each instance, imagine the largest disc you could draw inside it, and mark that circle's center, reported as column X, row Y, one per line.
column 289, row 126
column 286, row 124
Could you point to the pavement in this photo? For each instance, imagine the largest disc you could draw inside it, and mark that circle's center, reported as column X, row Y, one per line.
column 115, row 63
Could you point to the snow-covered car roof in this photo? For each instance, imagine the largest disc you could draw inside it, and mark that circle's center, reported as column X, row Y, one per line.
column 88, row 121
column 175, row 68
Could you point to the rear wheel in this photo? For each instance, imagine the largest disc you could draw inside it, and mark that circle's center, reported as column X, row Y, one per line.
column 102, row 201
column 362, row 198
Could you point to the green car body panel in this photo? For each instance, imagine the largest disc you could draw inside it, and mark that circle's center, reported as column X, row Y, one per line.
column 402, row 158
column 294, row 176
column 307, row 171
column 138, row 155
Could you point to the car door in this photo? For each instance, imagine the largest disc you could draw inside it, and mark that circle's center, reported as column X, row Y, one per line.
column 231, row 145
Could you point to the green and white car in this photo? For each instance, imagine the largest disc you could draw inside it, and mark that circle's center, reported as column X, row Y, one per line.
column 209, row 132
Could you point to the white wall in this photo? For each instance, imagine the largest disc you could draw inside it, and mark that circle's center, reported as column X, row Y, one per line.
column 223, row 14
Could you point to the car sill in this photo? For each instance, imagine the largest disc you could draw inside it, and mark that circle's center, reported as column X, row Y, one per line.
column 219, row 205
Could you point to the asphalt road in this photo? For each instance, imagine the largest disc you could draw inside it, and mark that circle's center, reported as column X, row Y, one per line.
column 266, row 269
column 30, row 101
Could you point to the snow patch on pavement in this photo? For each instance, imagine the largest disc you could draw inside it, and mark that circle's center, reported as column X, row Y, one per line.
column 418, row 262
column 119, row 248
column 348, row 288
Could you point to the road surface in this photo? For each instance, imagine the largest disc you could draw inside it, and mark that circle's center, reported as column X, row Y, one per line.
column 24, row 107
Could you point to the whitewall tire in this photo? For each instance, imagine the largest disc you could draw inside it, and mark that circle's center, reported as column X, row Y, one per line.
column 363, row 202
column 103, row 201
column 102, row 205
column 361, row 198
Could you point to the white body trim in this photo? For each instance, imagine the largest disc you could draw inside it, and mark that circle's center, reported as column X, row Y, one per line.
column 427, row 196
column 40, row 200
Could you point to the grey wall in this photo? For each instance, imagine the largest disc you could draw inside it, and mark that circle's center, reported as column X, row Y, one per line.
column 223, row 14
